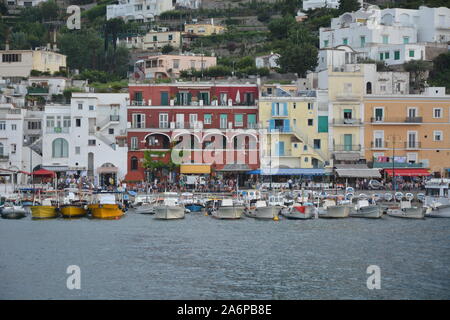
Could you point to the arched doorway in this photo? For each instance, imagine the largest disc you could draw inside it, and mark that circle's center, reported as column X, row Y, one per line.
column 369, row 87
column 107, row 173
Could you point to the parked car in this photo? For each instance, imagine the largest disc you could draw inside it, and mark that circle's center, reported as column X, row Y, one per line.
column 375, row 185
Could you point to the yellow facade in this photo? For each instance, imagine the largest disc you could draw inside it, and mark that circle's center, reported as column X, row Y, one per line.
column 294, row 140
column 345, row 94
column 415, row 127
column 203, row 29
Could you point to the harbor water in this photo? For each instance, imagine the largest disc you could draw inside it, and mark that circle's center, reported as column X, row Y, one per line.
column 138, row 257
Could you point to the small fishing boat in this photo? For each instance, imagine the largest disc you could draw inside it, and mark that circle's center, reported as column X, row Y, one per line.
column 227, row 210
column 365, row 210
column 438, row 212
column 12, row 211
column 406, row 211
column 299, row 211
column 169, row 209
column 106, row 207
column 145, row 208
column 73, row 206
column 45, row 211
column 191, row 203
column 260, row 209
column 332, row 210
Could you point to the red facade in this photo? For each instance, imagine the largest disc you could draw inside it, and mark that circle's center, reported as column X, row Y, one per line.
column 158, row 113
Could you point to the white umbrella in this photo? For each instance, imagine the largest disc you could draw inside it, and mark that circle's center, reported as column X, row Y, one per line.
column 238, row 97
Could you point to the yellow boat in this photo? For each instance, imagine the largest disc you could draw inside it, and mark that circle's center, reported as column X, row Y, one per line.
column 106, row 211
column 43, row 212
column 72, row 211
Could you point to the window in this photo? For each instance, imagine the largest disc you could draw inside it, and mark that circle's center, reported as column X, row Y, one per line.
column 345, row 41
column 2, row 125
column 306, row 159
column 381, row 55
column 78, row 122
column 138, row 7
column 362, row 41
column 437, row 136
column 134, row 163
column 223, row 121
column 13, row 148
column 386, row 55
column 316, row 143
column 207, row 118
column 405, row 40
column 437, row 112
column 60, row 148
column 111, row 131
column 50, row 121
column 66, row 121
column 378, row 139
column 138, row 120
column 251, row 121
column 223, row 99
column 91, row 108
column 164, row 120
column 80, row 106
column 310, row 105
column 134, row 143
column 170, row 37
column 379, row 114
column 310, row 122
column 385, row 39
column 91, row 142
column 176, row 63
column 294, row 105
column 77, row 150
column 396, row 55
column 238, row 120
column 34, row 125
column 411, row 53
column 14, row 127
column 348, row 113
column 192, row 64
column 325, row 43
column 8, row 57
column 305, row 148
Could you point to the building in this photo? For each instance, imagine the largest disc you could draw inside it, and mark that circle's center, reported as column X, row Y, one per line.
column 315, row 4
column 24, row 3
column 297, row 125
column 269, row 61
column 170, row 66
column 204, row 29
column 138, row 10
column 201, row 115
column 153, row 40
column 391, row 35
column 188, row 4
column 415, row 129
column 87, row 137
column 385, row 82
column 19, row 63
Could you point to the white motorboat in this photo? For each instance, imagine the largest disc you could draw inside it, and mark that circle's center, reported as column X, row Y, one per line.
column 330, row 209
column 11, row 211
column 299, row 211
column 169, row 209
column 407, row 211
column 365, row 210
column 227, row 209
column 438, row 212
column 262, row 210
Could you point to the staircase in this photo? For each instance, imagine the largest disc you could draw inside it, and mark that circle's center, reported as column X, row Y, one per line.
column 105, row 140
column 36, row 146
column 309, row 142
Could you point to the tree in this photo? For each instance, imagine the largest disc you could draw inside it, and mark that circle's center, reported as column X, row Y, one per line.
column 417, row 71
column 167, row 49
column 299, row 59
column 440, row 73
column 349, row 6
column 279, row 28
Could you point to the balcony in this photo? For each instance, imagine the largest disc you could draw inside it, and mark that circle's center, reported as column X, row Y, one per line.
column 347, row 147
column 412, row 145
column 114, row 118
column 37, row 90
column 57, row 130
column 4, row 157
column 347, row 122
column 396, row 120
column 389, row 165
column 137, row 103
column 378, row 145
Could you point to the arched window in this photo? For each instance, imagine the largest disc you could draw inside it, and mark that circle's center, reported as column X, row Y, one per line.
column 60, row 148
column 134, row 163
column 369, row 87
column 2, row 150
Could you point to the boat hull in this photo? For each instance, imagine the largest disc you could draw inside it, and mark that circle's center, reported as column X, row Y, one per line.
column 228, row 213
column 409, row 213
column 333, row 212
column 106, row 211
column 43, row 212
column 370, row 212
column 15, row 212
column 440, row 212
column 145, row 209
column 298, row 213
column 263, row 213
column 169, row 212
column 73, row 212
column 194, row 207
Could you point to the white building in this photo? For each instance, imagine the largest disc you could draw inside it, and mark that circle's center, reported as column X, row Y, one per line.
column 87, row 137
column 314, row 4
column 189, row 4
column 138, row 10
column 24, row 3
column 153, row 40
column 268, row 61
column 391, row 35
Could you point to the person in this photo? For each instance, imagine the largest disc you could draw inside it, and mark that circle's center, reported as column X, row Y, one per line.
column 290, row 184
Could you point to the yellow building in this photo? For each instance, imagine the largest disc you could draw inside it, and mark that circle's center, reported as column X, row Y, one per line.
column 345, row 94
column 203, row 29
column 19, row 63
column 415, row 128
column 297, row 128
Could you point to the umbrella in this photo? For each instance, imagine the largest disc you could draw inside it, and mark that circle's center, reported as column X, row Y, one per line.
column 44, row 172
column 238, row 97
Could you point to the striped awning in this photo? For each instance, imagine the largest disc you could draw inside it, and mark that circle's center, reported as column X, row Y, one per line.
column 408, row 172
column 358, row 173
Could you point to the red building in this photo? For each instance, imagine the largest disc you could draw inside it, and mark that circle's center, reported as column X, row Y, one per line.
column 215, row 124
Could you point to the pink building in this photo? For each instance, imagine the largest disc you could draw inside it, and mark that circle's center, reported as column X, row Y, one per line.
column 170, row 66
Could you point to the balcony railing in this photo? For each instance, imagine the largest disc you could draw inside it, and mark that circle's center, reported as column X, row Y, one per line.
column 378, row 145
column 347, row 147
column 412, row 145
column 57, row 130
column 37, row 90
column 396, row 120
column 355, row 122
column 137, row 103
column 114, row 118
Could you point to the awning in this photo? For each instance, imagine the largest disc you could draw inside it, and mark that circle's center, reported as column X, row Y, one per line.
column 358, row 173
column 107, row 170
column 195, row 168
column 288, row 172
column 409, row 172
column 235, row 167
column 43, row 173
column 347, row 156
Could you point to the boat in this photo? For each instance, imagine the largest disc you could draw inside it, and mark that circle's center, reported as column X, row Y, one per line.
column 365, row 210
column 227, row 210
column 191, row 203
column 45, row 211
column 406, row 211
column 299, row 211
column 145, row 208
column 106, row 207
column 332, row 210
column 169, row 209
column 260, row 209
column 73, row 206
column 388, row 196
column 12, row 211
column 438, row 212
